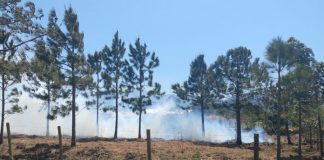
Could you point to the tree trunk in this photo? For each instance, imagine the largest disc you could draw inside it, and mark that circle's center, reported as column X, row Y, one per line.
column 139, row 125
column 116, row 123
column 320, row 132
column 73, row 141
column 202, row 120
column 299, row 133
column 97, row 118
column 317, row 140
column 238, row 116
column 278, row 137
column 311, row 137
column 287, row 128
column 97, row 103
column 48, row 107
column 279, row 113
column 3, row 108
column 140, row 113
column 288, row 133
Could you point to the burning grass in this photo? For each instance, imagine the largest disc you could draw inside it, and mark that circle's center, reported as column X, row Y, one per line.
column 38, row 147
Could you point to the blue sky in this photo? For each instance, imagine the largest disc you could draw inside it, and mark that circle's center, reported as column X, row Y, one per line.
column 179, row 30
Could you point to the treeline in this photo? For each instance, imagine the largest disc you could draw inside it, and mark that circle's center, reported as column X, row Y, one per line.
column 282, row 93
column 53, row 67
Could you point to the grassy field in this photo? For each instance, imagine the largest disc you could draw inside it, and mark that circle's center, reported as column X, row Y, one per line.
column 37, row 147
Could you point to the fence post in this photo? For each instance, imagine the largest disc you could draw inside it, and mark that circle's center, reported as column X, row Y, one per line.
column 256, row 146
column 9, row 141
column 148, row 138
column 60, row 141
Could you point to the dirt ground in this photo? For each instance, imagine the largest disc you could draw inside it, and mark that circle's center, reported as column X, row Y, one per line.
column 37, row 147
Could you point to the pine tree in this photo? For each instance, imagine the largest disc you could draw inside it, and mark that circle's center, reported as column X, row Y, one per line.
column 12, row 67
column 116, row 69
column 318, row 72
column 45, row 77
column 95, row 62
column 279, row 54
column 237, row 72
column 202, row 88
column 302, row 56
column 287, row 104
column 72, row 62
column 257, row 107
column 18, row 27
column 302, row 79
column 140, row 78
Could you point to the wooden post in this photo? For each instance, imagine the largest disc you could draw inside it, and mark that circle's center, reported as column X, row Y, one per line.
column 256, row 146
column 9, row 141
column 148, row 138
column 60, row 141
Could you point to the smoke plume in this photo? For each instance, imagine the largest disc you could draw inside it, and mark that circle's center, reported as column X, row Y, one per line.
column 164, row 118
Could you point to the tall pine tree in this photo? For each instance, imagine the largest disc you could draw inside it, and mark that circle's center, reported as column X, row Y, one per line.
column 18, row 28
column 12, row 68
column 301, row 78
column 318, row 72
column 203, row 87
column 140, row 79
column 116, row 69
column 45, row 77
column 71, row 60
column 236, row 66
column 95, row 63
column 280, row 57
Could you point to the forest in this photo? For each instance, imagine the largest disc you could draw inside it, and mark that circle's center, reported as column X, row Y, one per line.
column 282, row 92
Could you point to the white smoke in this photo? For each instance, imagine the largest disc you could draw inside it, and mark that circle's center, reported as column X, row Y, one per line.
column 164, row 118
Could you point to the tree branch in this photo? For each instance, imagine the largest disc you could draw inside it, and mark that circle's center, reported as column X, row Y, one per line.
column 22, row 43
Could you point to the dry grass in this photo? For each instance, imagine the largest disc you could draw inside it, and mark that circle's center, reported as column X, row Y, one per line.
column 36, row 147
